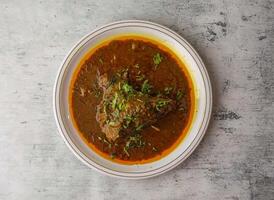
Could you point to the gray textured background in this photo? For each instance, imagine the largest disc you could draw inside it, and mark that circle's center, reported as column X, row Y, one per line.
column 235, row 159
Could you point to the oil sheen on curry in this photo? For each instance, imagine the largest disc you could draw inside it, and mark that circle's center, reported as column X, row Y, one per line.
column 132, row 100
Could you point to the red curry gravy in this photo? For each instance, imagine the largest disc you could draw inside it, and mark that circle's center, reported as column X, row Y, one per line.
column 145, row 62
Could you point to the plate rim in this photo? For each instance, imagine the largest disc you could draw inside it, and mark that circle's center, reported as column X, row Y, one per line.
column 127, row 175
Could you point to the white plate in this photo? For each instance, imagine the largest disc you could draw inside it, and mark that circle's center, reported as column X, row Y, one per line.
column 203, row 96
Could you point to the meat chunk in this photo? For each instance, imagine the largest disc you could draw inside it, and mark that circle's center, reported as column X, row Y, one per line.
column 124, row 110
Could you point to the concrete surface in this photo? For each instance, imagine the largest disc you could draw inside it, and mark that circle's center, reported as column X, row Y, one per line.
column 235, row 159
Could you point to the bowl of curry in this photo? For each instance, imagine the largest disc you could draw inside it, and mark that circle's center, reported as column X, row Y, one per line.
column 132, row 99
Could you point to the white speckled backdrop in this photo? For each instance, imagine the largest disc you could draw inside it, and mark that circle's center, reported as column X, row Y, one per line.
column 235, row 159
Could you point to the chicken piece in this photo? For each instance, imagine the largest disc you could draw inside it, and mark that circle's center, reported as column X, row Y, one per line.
column 124, row 110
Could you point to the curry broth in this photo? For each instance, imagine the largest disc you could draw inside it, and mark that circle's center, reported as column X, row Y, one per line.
column 126, row 52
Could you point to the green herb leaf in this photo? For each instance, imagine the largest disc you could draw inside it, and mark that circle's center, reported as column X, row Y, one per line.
column 120, row 106
column 140, row 127
column 127, row 120
column 136, row 66
column 107, row 142
column 134, row 142
column 154, row 149
column 116, row 113
column 125, row 150
column 128, row 144
column 159, row 95
column 128, row 89
column 140, row 77
column 161, row 103
column 168, row 90
column 101, row 61
column 146, row 87
column 179, row 95
column 114, row 100
column 119, row 85
column 157, row 59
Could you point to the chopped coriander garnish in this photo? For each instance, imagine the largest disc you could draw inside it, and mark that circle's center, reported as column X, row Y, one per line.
column 128, row 117
column 128, row 89
column 146, row 87
column 107, row 142
column 116, row 113
column 161, row 103
column 127, row 120
column 136, row 66
column 125, row 150
column 140, row 77
column 114, row 100
column 157, row 59
column 118, row 74
column 140, row 127
column 128, row 144
column 179, row 95
column 135, row 141
column 119, row 85
column 101, row 61
column 121, row 105
column 168, row 90
column 159, row 95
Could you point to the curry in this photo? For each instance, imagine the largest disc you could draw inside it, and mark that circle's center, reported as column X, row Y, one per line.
column 132, row 100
